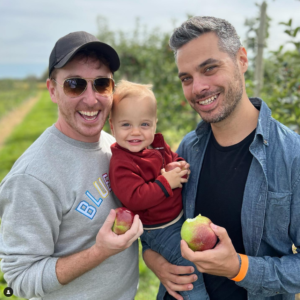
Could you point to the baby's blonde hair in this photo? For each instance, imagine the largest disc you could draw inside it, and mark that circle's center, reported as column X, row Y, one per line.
column 126, row 88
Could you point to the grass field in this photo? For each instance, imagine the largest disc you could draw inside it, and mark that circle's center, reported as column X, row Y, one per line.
column 13, row 92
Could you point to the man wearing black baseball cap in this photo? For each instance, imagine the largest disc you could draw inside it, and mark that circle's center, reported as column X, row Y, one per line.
column 57, row 195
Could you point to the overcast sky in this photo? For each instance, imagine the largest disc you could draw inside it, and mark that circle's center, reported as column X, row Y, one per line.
column 30, row 28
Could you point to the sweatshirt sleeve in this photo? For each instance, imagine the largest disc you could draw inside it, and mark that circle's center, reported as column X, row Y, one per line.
column 132, row 190
column 31, row 216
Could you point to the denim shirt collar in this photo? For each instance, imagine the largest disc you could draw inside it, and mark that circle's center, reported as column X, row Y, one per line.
column 263, row 123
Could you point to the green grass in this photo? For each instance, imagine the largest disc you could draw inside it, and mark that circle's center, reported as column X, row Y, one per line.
column 43, row 115
column 13, row 93
column 149, row 283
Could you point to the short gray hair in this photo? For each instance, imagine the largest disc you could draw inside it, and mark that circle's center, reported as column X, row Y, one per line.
column 229, row 41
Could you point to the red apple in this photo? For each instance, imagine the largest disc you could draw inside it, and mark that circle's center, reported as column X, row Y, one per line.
column 123, row 220
column 173, row 165
column 198, row 234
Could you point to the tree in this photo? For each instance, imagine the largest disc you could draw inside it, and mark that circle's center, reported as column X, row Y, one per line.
column 256, row 37
column 282, row 77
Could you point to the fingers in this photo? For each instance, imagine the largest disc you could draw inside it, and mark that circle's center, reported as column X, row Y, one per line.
column 181, row 270
column 174, row 294
column 221, row 233
column 135, row 231
column 183, row 180
column 184, row 164
column 182, row 172
column 186, row 252
column 180, row 283
column 108, row 223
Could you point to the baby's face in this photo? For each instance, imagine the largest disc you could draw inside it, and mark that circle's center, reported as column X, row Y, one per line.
column 133, row 123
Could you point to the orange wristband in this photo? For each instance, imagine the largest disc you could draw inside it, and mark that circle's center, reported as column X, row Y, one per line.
column 244, row 268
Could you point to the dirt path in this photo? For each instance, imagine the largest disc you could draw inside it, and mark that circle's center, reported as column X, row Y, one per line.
column 14, row 118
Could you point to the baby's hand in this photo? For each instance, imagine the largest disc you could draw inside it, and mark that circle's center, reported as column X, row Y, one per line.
column 175, row 177
column 183, row 165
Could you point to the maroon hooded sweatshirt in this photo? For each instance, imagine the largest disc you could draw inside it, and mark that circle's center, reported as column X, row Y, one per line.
column 137, row 182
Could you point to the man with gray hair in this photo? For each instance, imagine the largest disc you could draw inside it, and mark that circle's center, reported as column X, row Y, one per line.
column 244, row 175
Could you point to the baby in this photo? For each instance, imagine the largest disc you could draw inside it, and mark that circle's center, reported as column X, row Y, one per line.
column 138, row 177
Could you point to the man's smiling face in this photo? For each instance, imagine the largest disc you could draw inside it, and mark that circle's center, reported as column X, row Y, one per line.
column 83, row 117
column 211, row 79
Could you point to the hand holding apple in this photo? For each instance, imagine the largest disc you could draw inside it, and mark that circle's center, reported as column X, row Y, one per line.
column 198, row 234
column 222, row 260
column 108, row 243
column 123, row 220
column 175, row 177
column 183, row 165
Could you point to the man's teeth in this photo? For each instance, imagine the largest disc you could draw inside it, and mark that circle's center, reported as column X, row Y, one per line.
column 209, row 100
column 89, row 113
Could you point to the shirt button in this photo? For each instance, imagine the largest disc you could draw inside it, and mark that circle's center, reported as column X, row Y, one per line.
column 265, row 142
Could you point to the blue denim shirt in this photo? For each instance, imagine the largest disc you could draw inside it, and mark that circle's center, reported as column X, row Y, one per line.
column 271, row 204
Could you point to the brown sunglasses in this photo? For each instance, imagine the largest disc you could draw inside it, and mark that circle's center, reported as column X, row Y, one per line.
column 75, row 86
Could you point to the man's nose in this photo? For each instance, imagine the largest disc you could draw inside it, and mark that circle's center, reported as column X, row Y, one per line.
column 89, row 94
column 200, row 85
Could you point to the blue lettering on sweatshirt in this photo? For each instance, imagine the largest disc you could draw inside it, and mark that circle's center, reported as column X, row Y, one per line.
column 86, row 209
column 97, row 202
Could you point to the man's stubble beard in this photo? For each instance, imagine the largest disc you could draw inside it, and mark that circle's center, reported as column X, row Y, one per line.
column 71, row 121
column 231, row 100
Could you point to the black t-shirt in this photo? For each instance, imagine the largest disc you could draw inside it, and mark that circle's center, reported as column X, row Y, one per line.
column 219, row 197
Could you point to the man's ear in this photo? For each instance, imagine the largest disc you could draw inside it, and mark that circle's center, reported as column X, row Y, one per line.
column 111, row 126
column 243, row 59
column 51, row 88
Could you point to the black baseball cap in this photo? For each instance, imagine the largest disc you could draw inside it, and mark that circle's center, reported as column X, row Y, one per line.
column 67, row 46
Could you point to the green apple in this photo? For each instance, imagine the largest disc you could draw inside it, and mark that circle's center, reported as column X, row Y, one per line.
column 123, row 220
column 198, row 234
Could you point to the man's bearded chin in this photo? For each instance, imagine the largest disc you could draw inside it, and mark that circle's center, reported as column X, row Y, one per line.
column 230, row 101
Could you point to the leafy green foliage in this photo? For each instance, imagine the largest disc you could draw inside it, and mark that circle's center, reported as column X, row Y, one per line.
column 282, row 82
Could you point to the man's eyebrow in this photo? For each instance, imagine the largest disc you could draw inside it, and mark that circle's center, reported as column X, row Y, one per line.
column 72, row 75
column 208, row 62
column 205, row 63
column 182, row 74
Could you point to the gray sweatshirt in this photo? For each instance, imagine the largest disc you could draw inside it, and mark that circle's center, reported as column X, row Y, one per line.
column 52, row 204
